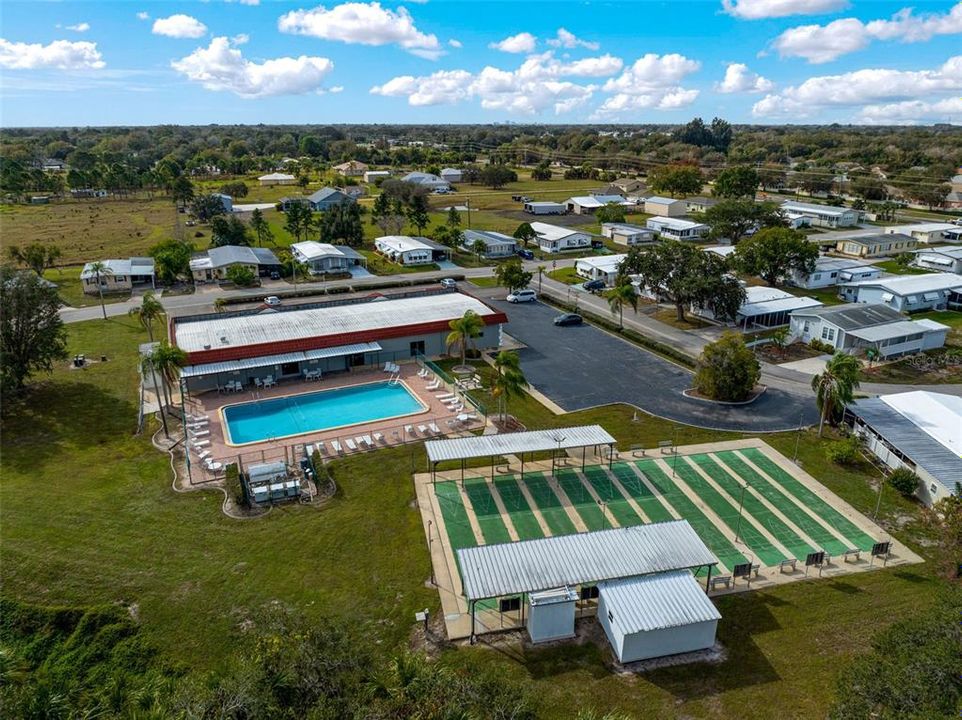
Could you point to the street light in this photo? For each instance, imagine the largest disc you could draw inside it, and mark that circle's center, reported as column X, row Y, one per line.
column 558, row 439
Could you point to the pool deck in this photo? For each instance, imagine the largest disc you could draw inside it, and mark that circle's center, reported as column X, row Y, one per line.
column 394, row 430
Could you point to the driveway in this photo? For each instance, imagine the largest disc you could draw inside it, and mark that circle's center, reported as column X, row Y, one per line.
column 583, row 367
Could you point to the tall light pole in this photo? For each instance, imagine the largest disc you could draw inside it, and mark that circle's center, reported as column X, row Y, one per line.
column 558, row 439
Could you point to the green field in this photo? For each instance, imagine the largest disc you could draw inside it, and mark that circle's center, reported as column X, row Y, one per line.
column 89, row 517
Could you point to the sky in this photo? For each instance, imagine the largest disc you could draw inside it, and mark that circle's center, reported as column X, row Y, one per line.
column 127, row 62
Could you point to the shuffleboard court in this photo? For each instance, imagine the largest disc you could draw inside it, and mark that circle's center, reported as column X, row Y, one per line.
column 755, row 507
column 825, row 511
column 714, row 538
column 817, row 532
column 486, row 511
column 522, row 517
column 549, row 504
column 640, row 493
column 581, row 499
column 614, row 501
column 456, row 522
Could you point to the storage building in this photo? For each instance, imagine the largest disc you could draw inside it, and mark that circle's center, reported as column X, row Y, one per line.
column 545, row 208
column 588, row 204
column 451, row 175
column 665, row 207
column 277, row 179
column 374, row 175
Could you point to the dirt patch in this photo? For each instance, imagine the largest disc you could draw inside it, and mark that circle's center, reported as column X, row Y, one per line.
column 791, row 353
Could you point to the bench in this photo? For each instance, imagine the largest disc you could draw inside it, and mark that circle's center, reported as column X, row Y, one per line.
column 791, row 563
column 852, row 551
column 637, row 450
column 665, row 446
column 725, row 580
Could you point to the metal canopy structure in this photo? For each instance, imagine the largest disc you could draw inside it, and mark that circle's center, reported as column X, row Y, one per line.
column 506, row 569
column 493, row 446
column 190, row 371
column 657, row 602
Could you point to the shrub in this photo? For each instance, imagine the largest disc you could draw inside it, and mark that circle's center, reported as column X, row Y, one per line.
column 241, row 275
column 817, row 344
column 844, row 452
column 727, row 369
column 904, row 480
column 235, row 488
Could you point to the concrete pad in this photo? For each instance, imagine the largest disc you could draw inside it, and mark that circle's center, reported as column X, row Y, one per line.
column 809, row 366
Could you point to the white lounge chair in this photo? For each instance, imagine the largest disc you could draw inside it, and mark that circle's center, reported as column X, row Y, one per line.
column 409, row 429
column 321, row 448
column 387, row 367
column 350, row 444
column 337, row 447
column 199, row 433
column 201, row 454
column 309, row 450
column 212, row 465
column 445, row 396
column 452, row 401
column 423, row 429
column 379, row 438
column 197, row 418
column 423, row 372
column 433, row 386
column 360, row 441
column 194, row 444
column 434, row 428
column 258, row 383
column 367, row 440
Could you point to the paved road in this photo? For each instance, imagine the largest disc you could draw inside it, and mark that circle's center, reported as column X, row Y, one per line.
column 582, row 367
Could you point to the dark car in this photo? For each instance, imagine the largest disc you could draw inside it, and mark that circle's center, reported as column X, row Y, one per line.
column 275, row 275
column 526, row 254
column 594, row 285
column 597, row 244
column 568, row 319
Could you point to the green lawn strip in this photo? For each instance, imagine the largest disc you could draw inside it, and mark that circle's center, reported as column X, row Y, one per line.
column 756, row 508
column 619, row 508
column 714, row 538
column 549, row 505
column 728, row 514
column 522, row 517
column 651, row 505
column 579, row 496
column 833, row 517
column 460, row 532
column 486, row 511
column 777, row 497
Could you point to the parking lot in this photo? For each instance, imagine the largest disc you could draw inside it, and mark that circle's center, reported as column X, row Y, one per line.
column 582, row 367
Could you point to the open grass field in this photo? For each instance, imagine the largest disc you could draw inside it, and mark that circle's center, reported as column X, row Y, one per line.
column 89, row 516
column 90, row 229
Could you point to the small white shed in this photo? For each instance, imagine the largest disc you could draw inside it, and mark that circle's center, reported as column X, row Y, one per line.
column 656, row 615
column 552, row 614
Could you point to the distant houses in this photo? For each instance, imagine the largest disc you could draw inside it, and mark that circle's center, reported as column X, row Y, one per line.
column 427, row 180
column 351, row 168
column 927, row 232
column 121, row 275
column 276, row 178
column 327, row 197
column 212, row 264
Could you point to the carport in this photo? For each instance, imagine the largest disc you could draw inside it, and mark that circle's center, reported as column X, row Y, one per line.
column 493, row 446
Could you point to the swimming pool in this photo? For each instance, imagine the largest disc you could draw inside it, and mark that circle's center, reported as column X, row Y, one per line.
column 317, row 411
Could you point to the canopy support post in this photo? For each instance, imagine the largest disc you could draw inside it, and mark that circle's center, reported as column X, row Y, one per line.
column 708, row 581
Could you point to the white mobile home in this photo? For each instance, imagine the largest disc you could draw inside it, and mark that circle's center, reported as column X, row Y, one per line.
column 427, row 180
column 497, row 245
column 879, row 328
column 451, row 175
column 871, row 246
column 277, row 179
column 545, row 208
column 665, row 207
column 407, row 250
column 120, row 275
column 830, row 271
column 374, row 175
column 827, row 216
column 907, row 293
column 677, row 229
column 213, row 264
column 588, row 204
column 921, row 431
column 926, row 232
column 764, row 307
column 603, row 267
column 322, row 258
column 554, row 238
column 625, row 234
column 699, row 204
column 941, row 259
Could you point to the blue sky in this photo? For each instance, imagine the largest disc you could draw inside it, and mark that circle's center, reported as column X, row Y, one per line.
column 765, row 61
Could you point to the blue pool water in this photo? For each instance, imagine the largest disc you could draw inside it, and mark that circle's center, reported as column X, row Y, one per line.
column 317, row 411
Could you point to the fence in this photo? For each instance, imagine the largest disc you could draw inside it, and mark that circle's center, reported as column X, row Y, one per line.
column 453, row 382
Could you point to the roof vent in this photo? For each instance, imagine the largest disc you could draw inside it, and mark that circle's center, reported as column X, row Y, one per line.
column 224, row 340
column 207, row 346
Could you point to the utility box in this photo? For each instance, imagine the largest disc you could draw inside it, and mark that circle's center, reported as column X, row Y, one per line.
column 552, row 614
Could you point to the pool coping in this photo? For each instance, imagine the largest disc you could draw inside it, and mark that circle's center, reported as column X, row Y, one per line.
column 228, row 438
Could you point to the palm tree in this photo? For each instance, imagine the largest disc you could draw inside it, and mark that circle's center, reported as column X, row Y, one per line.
column 99, row 268
column 150, row 309
column 463, row 331
column 835, row 386
column 148, row 367
column 620, row 295
column 541, row 269
column 510, row 381
column 167, row 359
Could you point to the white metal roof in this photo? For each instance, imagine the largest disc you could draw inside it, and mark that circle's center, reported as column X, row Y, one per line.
column 276, row 176
column 547, row 231
column 624, row 228
column 919, row 227
column 901, row 328
column 513, row 443
column 657, row 602
column 937, row 415
column 662, row 200
column 544, row 203
column 673, row 223
column 313, row 250
column 913, row 284
column 762, row 300
column 401, row 243
column 265, row 360
column 219, row 331
column 491, row 571
column 723, row 250
column 596, row 201
column 116, row 266
column 950, row 252
column 604, row 263
column 808, row 208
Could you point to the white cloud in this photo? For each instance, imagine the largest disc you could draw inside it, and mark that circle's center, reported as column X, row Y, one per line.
column 910, row 112
column 824, row 43
column 240, row 39
column 220, row 67
column 336, row 89
column 363, row 24
column 143, row 15
column 179, row 26
column 859, row 88
column 60, row 55
column 79, row 27
column 245, row 2
column 520, row 43
column 540, row 83
column 739, row 79
column 567, row 39
column 652, row 82
column 454, row 43
column 760, row 9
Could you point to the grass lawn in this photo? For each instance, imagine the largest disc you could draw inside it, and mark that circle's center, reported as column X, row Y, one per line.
column 485, row 282
column 71, row 289
column 86, row 230
column 379, row 265
column 827, row 296
column 567, row 275
column 89, row 517
column 670, row 317
column 952, row 318
column 891, row 266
